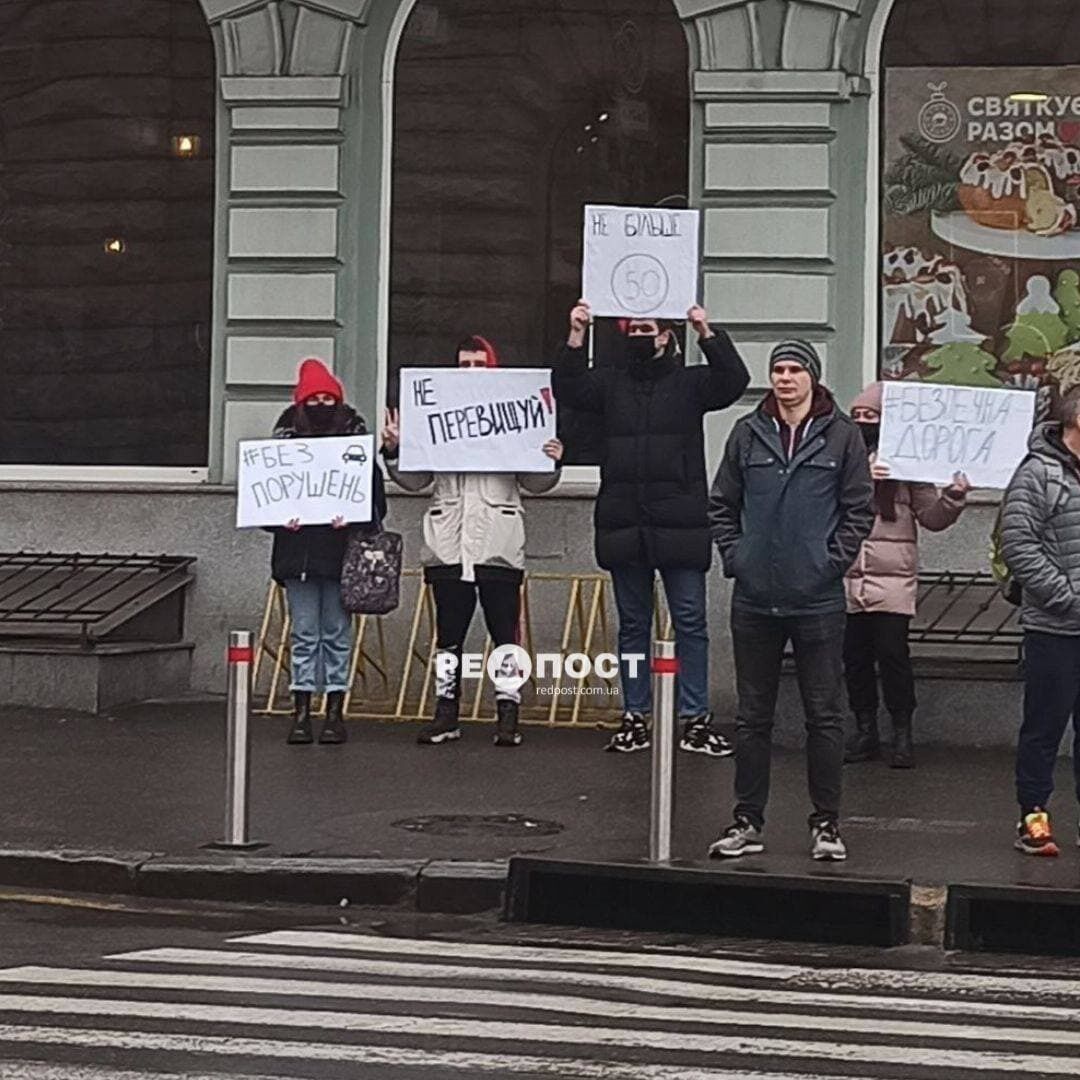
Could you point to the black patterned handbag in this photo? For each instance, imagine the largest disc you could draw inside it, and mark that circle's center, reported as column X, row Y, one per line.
column 371, row 572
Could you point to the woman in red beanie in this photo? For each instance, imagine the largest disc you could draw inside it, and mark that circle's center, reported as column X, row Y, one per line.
column 882, row 587
column 307, row 562
column 474, row 547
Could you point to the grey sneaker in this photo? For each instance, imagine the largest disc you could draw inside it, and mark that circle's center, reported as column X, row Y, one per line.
column 742, row 838
column 827, row 845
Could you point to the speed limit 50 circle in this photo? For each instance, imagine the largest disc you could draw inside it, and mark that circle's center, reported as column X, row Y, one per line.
column 640, row 283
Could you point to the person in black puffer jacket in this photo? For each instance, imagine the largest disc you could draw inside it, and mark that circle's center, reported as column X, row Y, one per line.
column 652, row 510
column 307, row 561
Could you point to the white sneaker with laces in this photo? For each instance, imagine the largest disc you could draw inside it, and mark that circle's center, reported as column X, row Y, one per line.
column 827, row 845
column 741, row 838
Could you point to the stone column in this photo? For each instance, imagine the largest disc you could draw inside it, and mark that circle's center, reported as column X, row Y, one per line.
column 281, row 202
column 779, row 143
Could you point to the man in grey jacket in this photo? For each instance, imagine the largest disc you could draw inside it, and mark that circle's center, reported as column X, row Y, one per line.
column 1041, row 545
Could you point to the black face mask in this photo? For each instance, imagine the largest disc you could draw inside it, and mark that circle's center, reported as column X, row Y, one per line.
column 871, row 434
column 640, row 350
column 321, row 417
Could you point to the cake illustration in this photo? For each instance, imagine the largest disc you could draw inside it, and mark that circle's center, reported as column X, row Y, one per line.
column 1025, row 186
column 919, row 289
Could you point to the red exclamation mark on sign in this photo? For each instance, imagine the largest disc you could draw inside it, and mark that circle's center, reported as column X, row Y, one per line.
column 545, row 393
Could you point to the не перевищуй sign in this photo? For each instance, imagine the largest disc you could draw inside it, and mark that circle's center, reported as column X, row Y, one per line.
column 929, row 432
column 481, row 420
column 312, row 481
column 641, row 262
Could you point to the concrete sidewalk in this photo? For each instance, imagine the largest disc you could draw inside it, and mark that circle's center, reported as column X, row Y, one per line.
column 150, row 782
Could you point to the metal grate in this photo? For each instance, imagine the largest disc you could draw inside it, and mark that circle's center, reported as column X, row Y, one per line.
column 83, row 597
column 964, row 610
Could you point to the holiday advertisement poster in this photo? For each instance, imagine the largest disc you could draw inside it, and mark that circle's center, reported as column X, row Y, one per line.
column 981, row 213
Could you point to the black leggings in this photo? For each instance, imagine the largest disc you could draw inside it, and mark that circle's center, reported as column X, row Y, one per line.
column 455, row 604
column 877, row 642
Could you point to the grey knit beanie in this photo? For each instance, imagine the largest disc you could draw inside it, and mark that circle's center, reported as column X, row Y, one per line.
column 798, row 352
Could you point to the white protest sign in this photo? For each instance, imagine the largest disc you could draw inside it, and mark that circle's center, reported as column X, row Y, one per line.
column 930, row 432
column 641, row 262
column 476, row 420
column 311, row 480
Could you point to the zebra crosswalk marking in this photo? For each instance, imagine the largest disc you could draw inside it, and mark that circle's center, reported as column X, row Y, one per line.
column 299, row 997
column 224, row 984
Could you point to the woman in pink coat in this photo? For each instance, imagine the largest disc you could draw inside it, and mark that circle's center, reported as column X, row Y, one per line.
column 882, row 588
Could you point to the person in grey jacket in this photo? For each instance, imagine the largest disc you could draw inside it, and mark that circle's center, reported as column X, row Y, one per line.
column 791, row 505
column 474, row 547
column 1040, row 534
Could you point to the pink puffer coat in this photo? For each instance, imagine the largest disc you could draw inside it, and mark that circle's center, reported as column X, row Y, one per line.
column 885, row 575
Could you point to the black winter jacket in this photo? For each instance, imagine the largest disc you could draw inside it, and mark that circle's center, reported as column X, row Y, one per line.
column 788, row 531
column 317, row 551
column 652, row 509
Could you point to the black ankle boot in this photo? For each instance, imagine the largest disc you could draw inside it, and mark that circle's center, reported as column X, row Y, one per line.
column 444, row 727
column 300, row 733
column 506, row 723
column 903, row 750
column 333, row 732
column 864, row 745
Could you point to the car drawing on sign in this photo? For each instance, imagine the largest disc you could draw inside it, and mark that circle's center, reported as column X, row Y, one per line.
column 355, row 455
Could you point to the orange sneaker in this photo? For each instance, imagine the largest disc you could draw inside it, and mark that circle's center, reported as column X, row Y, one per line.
column 1034, row 835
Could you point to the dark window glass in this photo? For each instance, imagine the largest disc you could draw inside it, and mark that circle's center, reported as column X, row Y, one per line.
column 982, row 33
column 106, row 225
column 510, row 116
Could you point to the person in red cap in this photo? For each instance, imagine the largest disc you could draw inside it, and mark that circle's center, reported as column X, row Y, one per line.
column 474, row 546
column 307, row 561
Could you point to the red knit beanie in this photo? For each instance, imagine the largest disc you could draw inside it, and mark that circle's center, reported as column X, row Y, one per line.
column 315, row 378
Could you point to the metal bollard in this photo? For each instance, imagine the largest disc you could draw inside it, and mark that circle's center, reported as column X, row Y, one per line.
column 665, row 667
column 238, row 742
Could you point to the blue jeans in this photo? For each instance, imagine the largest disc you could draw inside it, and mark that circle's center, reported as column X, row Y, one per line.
column 685, row 590
column 322, row 635
column 1051, row 697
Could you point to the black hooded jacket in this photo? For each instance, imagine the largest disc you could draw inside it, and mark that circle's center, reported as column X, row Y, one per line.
column 317, row 551
column 652, row 509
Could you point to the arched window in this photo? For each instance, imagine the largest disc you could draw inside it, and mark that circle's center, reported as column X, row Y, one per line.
column 510, row 115
column 106, row 226
column 981, row 193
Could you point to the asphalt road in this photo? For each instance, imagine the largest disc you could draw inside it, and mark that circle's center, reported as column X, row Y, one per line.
column 92, row 990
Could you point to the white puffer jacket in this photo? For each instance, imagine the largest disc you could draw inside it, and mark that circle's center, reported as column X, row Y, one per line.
column 475, row 519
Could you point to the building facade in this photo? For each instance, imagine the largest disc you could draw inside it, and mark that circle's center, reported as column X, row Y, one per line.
column 334, row 147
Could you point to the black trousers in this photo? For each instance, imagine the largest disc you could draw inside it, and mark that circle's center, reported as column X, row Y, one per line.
column 877, row 643
column 818, row 643
column 455, row 605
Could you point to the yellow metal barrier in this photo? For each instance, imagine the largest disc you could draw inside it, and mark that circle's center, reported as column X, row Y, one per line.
column 558, row 702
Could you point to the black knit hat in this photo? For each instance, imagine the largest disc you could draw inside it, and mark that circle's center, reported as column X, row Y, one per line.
column 798, row 352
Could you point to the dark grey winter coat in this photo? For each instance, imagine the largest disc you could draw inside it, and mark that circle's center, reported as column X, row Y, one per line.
column 1040, row 531
column 788, row 531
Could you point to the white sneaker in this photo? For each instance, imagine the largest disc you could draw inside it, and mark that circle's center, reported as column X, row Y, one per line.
column 742, row 838
column 827, row 845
